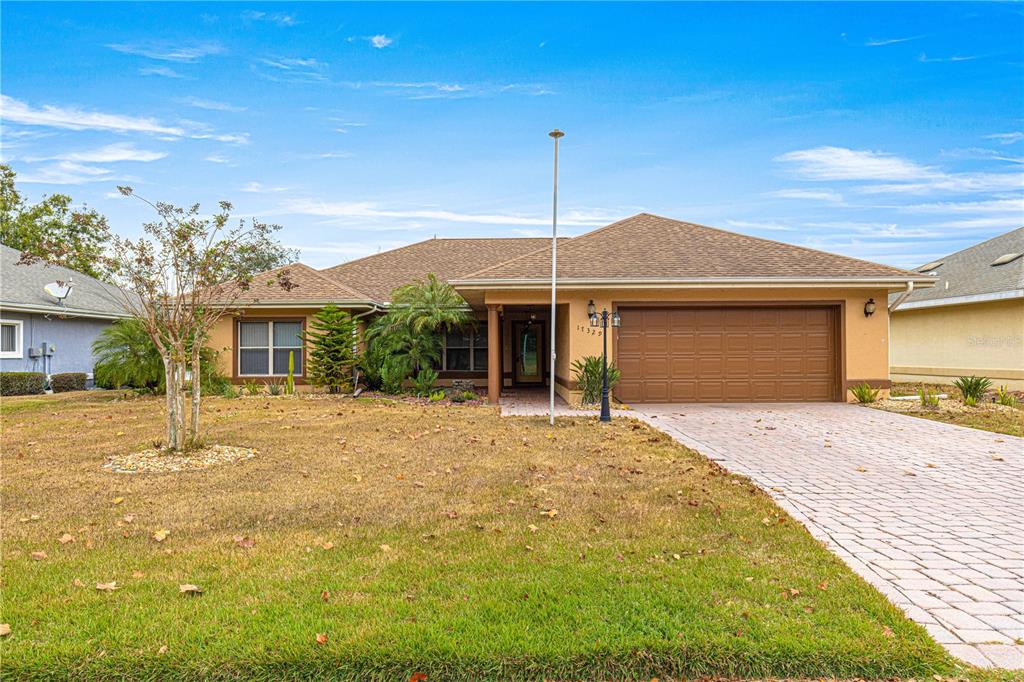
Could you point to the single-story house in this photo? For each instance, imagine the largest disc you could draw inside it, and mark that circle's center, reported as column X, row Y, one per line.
column 970, row 323
column 707, row 315
column 40, row 332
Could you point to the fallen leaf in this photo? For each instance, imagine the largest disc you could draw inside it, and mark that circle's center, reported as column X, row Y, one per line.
column 161, row 535
column 861, row 469
column 77, row 583
column 823, row 585
column 418, row 677
column 385, row 548
column 325, row 596
column 190, row 589
column 244, row 542
column 138, row 574
column 533, row 528
column 107, row 587
column 887, row 631
column 328, row 545
column 128, row 518
column 119, row 433
column 117, row 500
column 38, row 556
column 321, row 638
column 66, row 538
column 162, row 650
column 550, row 513
column 997, row 458
column 5, row 629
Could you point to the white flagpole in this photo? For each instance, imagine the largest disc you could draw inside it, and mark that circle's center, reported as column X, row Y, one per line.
column 556, row 134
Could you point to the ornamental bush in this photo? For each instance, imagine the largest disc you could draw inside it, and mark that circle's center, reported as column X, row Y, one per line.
column 67, row 381
column 22, row 383
column 331, row 351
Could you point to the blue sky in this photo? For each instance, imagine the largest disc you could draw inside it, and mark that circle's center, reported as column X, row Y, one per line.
column 888, row 132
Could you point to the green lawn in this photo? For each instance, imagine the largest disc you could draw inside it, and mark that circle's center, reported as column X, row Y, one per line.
column 438, row 540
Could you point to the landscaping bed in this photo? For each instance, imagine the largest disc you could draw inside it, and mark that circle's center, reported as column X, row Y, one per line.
column 986, row 415
column 375, row 539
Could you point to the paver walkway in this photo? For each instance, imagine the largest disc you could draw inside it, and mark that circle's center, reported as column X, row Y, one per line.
column 930, row 514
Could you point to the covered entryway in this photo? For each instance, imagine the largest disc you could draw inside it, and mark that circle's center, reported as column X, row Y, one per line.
column 728, row 354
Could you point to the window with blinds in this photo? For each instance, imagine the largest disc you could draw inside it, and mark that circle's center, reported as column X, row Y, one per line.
column 10, row 338
column 264, row 347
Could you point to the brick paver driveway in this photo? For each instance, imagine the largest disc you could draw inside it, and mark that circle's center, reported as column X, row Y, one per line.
column 931, row 514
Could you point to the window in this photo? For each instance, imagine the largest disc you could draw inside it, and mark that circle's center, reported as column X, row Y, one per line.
column 10, row 338
column 264, row 347
column 465, row 350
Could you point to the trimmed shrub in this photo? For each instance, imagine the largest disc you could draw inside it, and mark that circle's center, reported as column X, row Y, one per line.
column 67, row 381
column 22, row 383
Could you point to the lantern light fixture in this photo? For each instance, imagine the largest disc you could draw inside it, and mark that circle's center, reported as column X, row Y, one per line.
column 869, row 308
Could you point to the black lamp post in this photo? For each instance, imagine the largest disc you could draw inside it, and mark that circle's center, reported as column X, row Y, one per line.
column 601, row 322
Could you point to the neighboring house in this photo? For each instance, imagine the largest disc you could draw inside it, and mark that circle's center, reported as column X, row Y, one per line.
column 40, row 333
column 970, row 322
column 707, row 315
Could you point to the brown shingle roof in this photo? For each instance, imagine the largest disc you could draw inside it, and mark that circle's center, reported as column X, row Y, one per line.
column 380, row 274
column 647, row 246
column 309, row 286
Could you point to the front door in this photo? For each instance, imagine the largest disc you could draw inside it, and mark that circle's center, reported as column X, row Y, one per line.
column 527, row 354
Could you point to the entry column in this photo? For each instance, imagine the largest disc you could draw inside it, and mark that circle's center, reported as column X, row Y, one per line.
column 493, row 354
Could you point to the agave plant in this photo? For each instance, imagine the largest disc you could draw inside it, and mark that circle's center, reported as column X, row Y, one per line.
column 973, row 388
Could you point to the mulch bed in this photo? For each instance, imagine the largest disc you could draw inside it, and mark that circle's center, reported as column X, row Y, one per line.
column 161, row 462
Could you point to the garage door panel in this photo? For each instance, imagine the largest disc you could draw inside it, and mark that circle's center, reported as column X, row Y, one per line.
column 727, row 354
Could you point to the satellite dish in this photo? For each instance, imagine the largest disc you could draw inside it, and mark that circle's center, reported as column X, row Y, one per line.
column 59, row 290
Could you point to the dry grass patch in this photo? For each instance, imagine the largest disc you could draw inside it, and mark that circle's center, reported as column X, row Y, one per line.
column 374, row 540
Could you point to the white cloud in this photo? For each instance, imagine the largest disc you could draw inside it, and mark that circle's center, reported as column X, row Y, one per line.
column 1006, row 205
column 417, row 90
column 1006, row 138
column 366, row 210
column 259, row 188
column 291, row 69
column 279, row 18
column 217, row 158
column 65, row 173
column 985, row 223
column 164, row 71
column 809, row 194
column 759, row 225
column 894, row 175
column 925, row 59
column 380, row 41
column 16, row 111
column 881, row 42
column 330, row 155
column 211, row 105
column 841, row 163
column 108, row 154
column 181, row 54
column 68, row 118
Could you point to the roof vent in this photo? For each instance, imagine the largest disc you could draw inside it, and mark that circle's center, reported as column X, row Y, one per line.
column 1007, row 258
column 930, row 266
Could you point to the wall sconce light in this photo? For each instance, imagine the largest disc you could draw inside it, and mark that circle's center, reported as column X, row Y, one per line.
column 869, row 308
column 591, row 308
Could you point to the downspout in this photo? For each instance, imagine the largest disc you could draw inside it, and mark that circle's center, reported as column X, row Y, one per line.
column 888, row 318
column 902, row 297
column 355, row 343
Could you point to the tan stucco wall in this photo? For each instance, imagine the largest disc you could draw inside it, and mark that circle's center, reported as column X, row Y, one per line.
column 865, row 345
column 222, row 336
column 942, row 343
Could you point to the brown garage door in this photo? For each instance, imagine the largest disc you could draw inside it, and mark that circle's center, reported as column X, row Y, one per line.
column 730, row 354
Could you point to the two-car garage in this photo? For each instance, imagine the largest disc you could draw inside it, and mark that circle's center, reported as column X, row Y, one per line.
column 728, row 354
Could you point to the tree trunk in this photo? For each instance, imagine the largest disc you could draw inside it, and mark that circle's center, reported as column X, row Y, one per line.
column 197, row 382
column 175, row 416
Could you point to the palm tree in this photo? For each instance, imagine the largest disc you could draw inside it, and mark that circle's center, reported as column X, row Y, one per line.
column 429, row 305
column 127, row 356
